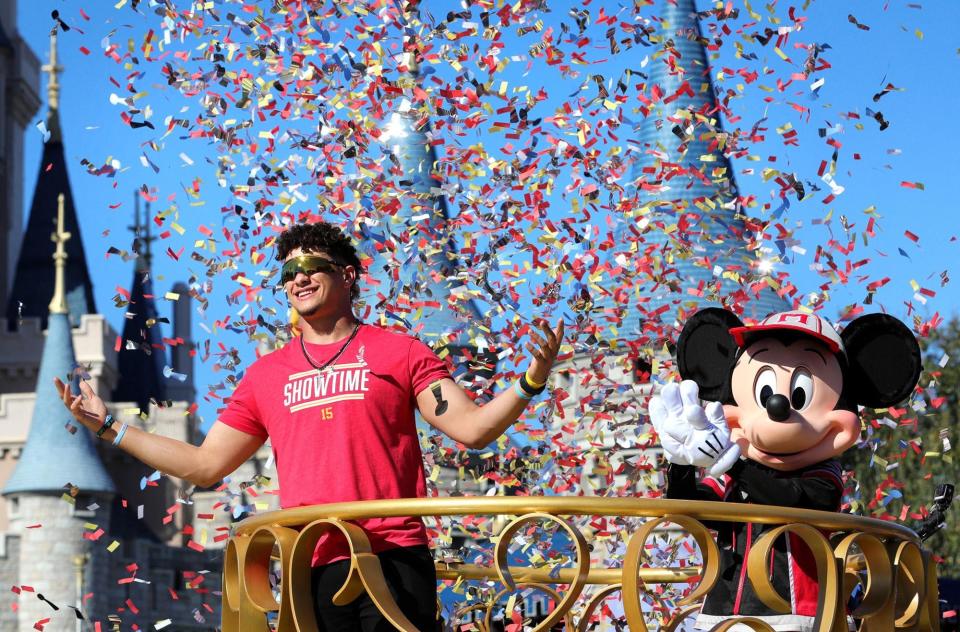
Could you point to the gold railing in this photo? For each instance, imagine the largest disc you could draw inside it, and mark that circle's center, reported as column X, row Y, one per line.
column 896, row 575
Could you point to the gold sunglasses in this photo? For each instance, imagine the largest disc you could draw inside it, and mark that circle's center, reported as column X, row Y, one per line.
column 309, row 265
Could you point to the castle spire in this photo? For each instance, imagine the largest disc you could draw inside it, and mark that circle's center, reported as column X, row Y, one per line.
column 57, row 452
column 424, row 266
column 686, row 232
column 29, row 295
column 53, row 70
column 58, row 304
column 141, row 234
column 142, row 357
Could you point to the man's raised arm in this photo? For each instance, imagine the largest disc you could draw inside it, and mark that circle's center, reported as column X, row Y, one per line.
column 223, row 450
column 448, row 408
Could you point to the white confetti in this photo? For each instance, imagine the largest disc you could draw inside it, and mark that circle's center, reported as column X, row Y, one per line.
column 42, row 127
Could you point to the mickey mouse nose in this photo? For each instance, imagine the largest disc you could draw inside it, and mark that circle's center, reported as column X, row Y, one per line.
column 778, row 408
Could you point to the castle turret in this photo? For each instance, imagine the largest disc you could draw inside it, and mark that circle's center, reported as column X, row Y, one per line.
column 31, row 282
column 181, row 386
column 687, row 245
column 694, row 248
column 420, row 281
column 59, row 484
column 142, row 355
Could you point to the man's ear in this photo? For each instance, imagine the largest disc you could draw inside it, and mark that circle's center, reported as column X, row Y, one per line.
column 883, row 359
column 706, row 351
column 350, row 275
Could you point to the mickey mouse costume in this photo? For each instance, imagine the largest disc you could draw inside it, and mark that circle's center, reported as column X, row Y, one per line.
column 783, row 398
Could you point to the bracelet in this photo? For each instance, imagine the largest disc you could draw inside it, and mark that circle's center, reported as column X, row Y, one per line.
column 120, row 433
column 522, row 394
column 107, row 422
column 535, row 385
column 528, row 388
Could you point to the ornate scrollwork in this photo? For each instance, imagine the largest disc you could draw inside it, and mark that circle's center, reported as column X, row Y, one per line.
column 830, row 612
column 876, row 607
column 235, row 607
column 632, row 582
column 898, row 577
column 365, row 573
column 583, row 563
column 256, row 568
column 247, row 593
column 909, row 575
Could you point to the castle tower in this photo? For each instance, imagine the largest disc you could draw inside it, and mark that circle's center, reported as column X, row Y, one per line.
column 420, row 280
column 142, row 356
column 23, row 336
column 695, row 242
column 688, row 247
column 59, row 482
column 19, row 88
column 30, row 288
column 77, row 512
column 181, row 385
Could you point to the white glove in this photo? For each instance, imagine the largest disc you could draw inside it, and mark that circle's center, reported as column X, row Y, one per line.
column 691, row 434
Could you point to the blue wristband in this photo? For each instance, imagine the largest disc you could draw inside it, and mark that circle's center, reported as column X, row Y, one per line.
column 120, row 433
column 522, row 394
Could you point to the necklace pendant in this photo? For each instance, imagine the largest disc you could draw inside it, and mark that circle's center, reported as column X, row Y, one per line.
column 327, row 367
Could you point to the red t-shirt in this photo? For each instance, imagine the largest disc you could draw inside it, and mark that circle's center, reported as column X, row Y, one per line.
column 346, row 434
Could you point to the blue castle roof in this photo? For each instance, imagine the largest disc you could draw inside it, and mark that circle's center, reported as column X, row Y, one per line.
column 689, row 236
column 423, row 265
column 58, row 451
column 53, row 456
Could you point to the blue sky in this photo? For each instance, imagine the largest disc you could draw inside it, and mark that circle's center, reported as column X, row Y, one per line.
column 912, row 46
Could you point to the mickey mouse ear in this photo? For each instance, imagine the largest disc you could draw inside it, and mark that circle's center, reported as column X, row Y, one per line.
column 884, row 359
column 706, row 350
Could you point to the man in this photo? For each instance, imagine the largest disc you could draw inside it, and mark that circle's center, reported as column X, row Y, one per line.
column 337, row 404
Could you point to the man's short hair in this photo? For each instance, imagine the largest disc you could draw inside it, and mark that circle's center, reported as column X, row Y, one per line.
column 321, row 237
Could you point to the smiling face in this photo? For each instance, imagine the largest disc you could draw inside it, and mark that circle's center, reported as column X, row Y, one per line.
column 786, row 394
column 325, row 292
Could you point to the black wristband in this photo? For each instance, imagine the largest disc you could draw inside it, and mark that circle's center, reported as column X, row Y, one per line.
column 107, row 422
column 528, row 389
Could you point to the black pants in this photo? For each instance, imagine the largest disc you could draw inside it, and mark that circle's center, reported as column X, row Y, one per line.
column 411, row 578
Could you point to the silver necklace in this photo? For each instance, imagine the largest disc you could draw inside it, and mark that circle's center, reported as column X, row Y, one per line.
column 324, row 366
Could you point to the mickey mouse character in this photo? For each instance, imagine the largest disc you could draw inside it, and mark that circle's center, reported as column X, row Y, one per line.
column 783, row 398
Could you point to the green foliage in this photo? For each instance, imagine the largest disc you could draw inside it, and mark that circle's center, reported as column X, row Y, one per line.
column 910, row 459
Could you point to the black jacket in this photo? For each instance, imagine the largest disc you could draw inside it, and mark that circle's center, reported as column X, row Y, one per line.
column 819, row 486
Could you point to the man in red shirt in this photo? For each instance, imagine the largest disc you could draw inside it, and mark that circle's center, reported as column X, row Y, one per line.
column 338, row 404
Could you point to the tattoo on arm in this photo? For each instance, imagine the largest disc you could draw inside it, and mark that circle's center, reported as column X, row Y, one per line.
column 438, row 395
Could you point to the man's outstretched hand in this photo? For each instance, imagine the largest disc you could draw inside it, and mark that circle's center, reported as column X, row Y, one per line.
column 86, row 408
column 544, row 350
column 692, row 434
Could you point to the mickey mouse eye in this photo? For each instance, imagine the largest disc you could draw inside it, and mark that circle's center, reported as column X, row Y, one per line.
column 801, row 389
column 765, row 386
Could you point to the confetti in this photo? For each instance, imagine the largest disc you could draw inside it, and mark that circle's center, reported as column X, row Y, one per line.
column 538, row 185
